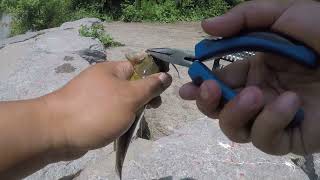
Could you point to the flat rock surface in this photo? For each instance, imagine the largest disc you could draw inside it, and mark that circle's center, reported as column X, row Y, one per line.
column 37, row 63
column 199, row 150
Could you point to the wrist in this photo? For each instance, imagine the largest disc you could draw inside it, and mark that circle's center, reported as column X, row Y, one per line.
column 43, row 124
column 25, row 133
column 54, row 121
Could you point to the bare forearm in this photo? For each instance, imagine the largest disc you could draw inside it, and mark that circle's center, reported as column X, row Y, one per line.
column 23, row 131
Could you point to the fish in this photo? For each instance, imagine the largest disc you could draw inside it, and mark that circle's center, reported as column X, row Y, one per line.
column 144, row 65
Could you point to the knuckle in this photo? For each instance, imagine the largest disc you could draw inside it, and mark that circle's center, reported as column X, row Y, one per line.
column 268, row 146
column 204, row 108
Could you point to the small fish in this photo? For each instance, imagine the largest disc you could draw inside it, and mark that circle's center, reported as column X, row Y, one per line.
column 144, row 65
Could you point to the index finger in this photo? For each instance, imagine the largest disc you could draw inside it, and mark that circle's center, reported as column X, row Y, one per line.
column 233, row 75
column 248, row 15
column 292, row 18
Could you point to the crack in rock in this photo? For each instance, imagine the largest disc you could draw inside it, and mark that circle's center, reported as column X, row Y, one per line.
column 72, row 176
column 20, row 38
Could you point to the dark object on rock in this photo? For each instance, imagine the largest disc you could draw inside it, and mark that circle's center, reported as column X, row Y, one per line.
column 68, row 58
column 65, row 68
column 92, row 56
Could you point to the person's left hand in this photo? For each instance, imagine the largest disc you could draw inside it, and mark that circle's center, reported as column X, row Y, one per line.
column 99, row 105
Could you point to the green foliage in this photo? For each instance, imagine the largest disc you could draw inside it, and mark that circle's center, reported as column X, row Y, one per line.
column 131, row 13
column 87, row 13
column 169, row 11
column 37, row 14
column 33, row 15
column 97, row 32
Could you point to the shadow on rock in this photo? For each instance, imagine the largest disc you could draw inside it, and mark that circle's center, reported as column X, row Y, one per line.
column 171, row 178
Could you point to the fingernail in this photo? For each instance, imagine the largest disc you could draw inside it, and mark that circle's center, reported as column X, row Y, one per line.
column 165, row 79
column 247, row 98
column 287, row 101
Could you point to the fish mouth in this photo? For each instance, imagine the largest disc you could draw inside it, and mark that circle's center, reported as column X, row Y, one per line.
column 163, row 66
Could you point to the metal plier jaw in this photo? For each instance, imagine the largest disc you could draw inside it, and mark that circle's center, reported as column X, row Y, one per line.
column 173, row 56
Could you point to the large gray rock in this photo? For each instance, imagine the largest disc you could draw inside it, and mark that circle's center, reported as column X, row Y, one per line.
column 82, row 22
column 37, row 63
column 67, row 170
column 197, row 151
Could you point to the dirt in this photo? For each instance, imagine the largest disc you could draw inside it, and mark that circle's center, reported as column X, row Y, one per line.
column 139, row 36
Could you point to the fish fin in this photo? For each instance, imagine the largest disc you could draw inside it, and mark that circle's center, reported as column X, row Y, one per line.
column 123, row 142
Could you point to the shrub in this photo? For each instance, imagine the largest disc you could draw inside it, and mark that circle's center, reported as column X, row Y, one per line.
column 150, row 11
column 131, row 14
column 38, row 14
column 97, row 32
column 41, row 14
column 168, row 11
column 34, row 15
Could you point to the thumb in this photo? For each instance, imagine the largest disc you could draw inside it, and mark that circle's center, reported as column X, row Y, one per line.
column 150, row 87
column 119, row 69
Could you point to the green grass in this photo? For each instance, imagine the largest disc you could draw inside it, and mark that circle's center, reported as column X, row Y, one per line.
column 97, row 32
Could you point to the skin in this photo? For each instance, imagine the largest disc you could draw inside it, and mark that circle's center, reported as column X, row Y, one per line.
column 271, row 88
column 91, row 111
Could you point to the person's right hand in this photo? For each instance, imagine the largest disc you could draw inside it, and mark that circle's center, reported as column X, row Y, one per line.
column 271, row 88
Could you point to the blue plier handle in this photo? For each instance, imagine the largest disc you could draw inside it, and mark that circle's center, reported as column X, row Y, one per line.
column 258, row 41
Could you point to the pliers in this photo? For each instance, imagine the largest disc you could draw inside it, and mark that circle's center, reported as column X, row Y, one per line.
column 254, row 41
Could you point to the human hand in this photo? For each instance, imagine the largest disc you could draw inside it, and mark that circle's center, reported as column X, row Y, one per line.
column 98, row 106
column 271, row 88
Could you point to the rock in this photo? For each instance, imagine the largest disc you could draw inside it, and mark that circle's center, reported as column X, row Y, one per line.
column 19, row 38
column 37, row 63
column 316, row 161
column 68, row 170
column 82, row 22
column 104, row 167
column 197, row 151
column 309, row 164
